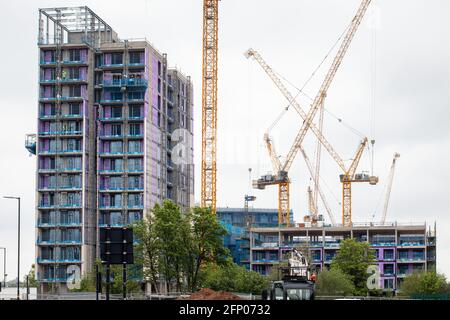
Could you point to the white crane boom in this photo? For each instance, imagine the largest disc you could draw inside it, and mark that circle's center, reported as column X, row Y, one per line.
column 321, row 194
column 326, row 83
column 292, row 101
column 389, row 187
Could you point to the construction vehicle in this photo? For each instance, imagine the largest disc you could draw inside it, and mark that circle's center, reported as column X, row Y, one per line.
column 296, row 283
column 281, row 178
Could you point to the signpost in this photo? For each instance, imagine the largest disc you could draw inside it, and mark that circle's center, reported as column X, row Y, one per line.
column 116, row 248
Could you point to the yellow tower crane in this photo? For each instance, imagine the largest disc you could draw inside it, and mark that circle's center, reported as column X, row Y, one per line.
column 281, row 177
column 209, row 103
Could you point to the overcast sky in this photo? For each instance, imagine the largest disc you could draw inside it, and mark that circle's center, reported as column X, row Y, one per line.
column 393, row 87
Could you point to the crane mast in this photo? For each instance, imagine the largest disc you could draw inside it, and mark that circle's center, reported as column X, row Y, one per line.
column 209, row 103
column 346, row 179
column 389, row 187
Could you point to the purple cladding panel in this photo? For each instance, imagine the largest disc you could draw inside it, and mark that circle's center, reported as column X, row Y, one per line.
column 107, row 95
column 84, row 92
column 147, row 71
column 107, row 76
column 146, row 77
column 107, row 164
column 107, row 112
column 47, row 74
column 48, row 92
column 48, row 56
column 84, row 55
column 104, row 146
column 107, row 58
column 83, row 73
column 142, row 56
column 85, row 109
column 155, row 82
column 107, row 129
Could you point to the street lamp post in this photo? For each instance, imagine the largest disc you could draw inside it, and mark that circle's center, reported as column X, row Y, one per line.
column 18, row 244
column 4, row 267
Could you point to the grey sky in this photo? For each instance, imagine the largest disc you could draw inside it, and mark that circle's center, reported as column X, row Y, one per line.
column 412, row 62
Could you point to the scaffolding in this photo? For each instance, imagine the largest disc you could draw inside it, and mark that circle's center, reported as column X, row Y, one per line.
column 77, row 25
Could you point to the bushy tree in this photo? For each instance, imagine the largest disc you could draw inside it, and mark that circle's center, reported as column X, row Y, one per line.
column 233, row 278
column 334, row 282
column 174, row 247
column 203, row 240
column 353, row 259
column 88, row 282
column 146, row 250
column 424, row 283
column 275, row 274
column 169, row 225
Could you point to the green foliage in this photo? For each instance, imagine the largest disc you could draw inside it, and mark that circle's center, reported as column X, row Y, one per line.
column 168, row 228
column 275, row 274
column 174, row 247
column 88, row 282
column 146, row 251
column 424, row 283
column 353, row 259
column 203, row 240
column 31, row 277
column 334, row 282
column 233, row 278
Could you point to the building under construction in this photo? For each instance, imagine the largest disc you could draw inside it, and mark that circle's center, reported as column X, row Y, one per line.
column 110, row 113
column 400, row 249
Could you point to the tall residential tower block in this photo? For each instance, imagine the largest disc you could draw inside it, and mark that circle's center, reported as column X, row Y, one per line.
column 111, row 116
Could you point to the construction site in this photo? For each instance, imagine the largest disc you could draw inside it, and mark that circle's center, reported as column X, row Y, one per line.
column 115, row 132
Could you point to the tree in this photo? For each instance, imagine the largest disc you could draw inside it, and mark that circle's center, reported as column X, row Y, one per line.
column 175, row 246
column 88, row 281
column 233, row 278
column 169, row 224
column 249, row 281
column 275, row 274
column 424, row 283
column 334, row 282
column 203, row 240
column 147, row 248
column 353, row 259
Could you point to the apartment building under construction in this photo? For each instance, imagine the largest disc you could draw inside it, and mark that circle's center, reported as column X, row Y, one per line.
column 110, row 116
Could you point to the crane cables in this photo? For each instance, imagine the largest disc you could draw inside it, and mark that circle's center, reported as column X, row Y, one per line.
column 301, row 90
